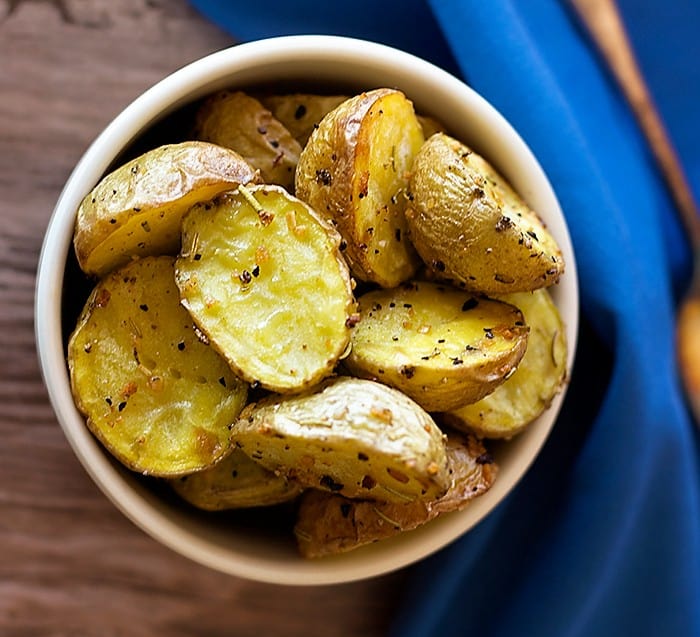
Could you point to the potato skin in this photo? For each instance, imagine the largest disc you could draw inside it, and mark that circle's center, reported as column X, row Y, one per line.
column 263, row 277
column 236, row 482
column 300, row 113
column 328, row 523
column 540, row 376
column 158, row 399
column 136, row 210
column 351, row 436
column 470, row 226
column 441, row 346
column 354, row 170
column 239, row 121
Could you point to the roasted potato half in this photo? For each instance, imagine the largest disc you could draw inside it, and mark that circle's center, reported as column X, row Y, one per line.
column 541, row 374
column 264, row 279
column 237, row 482
column 439, row 345
column 159, row 399
column 353, row 437
column 468, row 223
column 430, row 125
column 354, row 170
column 300, row 113
column 237, row 120
column 329, row 523
column 136, row 210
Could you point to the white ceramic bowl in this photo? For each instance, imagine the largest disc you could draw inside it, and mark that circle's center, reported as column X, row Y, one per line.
column 230, row 544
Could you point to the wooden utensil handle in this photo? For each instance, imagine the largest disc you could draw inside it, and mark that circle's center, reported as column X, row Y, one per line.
column 604, row 24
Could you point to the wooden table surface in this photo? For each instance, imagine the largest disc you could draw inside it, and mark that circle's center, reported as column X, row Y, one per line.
column 70, row 563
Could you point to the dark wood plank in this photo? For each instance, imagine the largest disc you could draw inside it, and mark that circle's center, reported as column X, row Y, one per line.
column 70, row 563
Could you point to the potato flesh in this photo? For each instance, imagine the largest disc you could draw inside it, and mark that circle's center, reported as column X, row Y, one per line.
column 236, row 482
column 238, row 121
column 440, row 346
column 392, row 140
column 354, row 170
column 355, row 437
column 137, row 209
column 540, row 375
column 328, row 523
column 157, row 397
column 468, row 224
column 268, row 287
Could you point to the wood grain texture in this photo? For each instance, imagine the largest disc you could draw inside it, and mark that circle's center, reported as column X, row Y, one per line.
column 70, row 563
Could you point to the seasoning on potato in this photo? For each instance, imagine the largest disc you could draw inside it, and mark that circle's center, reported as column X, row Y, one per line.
column 237, row 482
column 158, row 399
column 354, row 170
column 239, row 121
column 136, row 210
column 264, row 279
column 541, row 374
column 328, row 523
column 469, row 225
column 441, row 346
column 354, row 437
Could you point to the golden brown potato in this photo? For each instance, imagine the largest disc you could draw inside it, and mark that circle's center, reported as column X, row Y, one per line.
column 157, row 398
column 328, row 523
column 354, row 170
column 136, row 210
column 468, row 224
column 353, row 437
column 430, row 125
column 541, row 374
column 264, row 279
column 239, row 121
column 300, row 113
column 236, row 482
column 441, row 346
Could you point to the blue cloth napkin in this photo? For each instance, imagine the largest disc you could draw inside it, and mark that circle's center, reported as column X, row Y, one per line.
column 602, row 536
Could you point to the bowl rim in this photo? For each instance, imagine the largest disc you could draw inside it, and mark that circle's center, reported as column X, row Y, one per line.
column 171, row 92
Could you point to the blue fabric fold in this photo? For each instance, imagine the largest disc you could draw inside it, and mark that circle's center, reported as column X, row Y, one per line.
column 602, row 536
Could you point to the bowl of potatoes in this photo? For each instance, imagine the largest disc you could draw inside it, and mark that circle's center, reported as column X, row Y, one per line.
column 306, row 310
